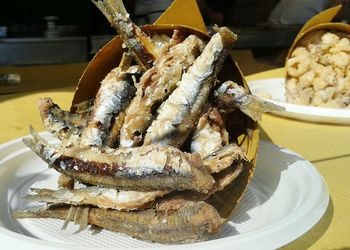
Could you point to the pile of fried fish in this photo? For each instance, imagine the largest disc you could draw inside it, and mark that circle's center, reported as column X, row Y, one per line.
column 145, row 155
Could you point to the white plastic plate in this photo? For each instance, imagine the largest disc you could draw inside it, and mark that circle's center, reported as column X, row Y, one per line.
column 285, row 199
column 275, row 87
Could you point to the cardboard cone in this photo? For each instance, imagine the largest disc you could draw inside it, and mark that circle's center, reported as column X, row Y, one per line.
column 183, row 15
column 321, row 21
column 183, row 12
column 311, row 32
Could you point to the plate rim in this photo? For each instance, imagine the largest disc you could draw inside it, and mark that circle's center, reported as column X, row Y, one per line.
column 320, row 209
column 311, row 111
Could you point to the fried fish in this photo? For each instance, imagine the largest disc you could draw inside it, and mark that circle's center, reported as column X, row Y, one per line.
column 154, row 87
column 96, row 196
column 143, row 47
column 210, row 133
column 147, row 168
column 233, row 96
column 171, row 222
column 63, row 124
column 114, row 95
column 179, row 113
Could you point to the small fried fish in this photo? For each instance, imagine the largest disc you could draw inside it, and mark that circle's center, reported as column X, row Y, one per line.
column 63, row 124
column 147, row 168
column 223, row 158
column 143, row 47
column 113, row 97
column 210, row 133
column 170, row 222
column 179, row 113
column 233, row 96
column 96, row 196
column 155, row 86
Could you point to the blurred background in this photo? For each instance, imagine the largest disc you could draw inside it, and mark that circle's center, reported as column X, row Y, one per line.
column 39, row 33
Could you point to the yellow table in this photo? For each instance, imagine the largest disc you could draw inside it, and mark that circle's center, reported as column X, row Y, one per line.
column 326, row 146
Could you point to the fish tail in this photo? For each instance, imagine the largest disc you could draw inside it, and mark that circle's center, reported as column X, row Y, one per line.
column 41, row 147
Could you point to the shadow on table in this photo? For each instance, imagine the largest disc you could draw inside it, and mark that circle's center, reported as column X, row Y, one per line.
column 263, row 135
column 314, row 234
column 330, row 158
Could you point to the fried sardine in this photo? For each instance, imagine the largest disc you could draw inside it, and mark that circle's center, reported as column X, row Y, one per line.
column 233, row 96
column 63, row 124
column 143, row 47
column 171, row 222
column 179, row 113
column 210, row 133
column 147, row 168
column 96, row 196
column 155, row 86
column 114, row 95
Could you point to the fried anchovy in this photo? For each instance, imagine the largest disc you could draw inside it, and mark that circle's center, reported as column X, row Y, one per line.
column 179, row 113
column 142, row 46
column 210, row 140
column 113, row 136
column 84, row 108
column 233, row 96
column 65, row 182
column 226, row 176
column 147, row 168
column 210, row 133
column 96, row 196
column 222, row 179
column 155, row 85
column 62, row 124
column 223, row 157
column 169, row 223
column 113, row 97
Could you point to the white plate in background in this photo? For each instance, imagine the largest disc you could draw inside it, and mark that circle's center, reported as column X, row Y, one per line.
column 286, row 198
column 275, row 87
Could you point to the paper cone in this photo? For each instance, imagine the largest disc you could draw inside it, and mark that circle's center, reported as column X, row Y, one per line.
column 183, row 15
column 183, row 12
column 321, row 21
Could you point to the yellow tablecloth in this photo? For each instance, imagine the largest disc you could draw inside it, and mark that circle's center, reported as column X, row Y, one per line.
column 326, row 146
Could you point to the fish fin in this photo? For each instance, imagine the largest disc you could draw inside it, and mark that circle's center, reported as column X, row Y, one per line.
column 84, row 218
column 71, row 214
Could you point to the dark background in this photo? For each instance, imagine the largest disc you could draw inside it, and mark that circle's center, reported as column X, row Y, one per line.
column 260, row 45
column 25, row 18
